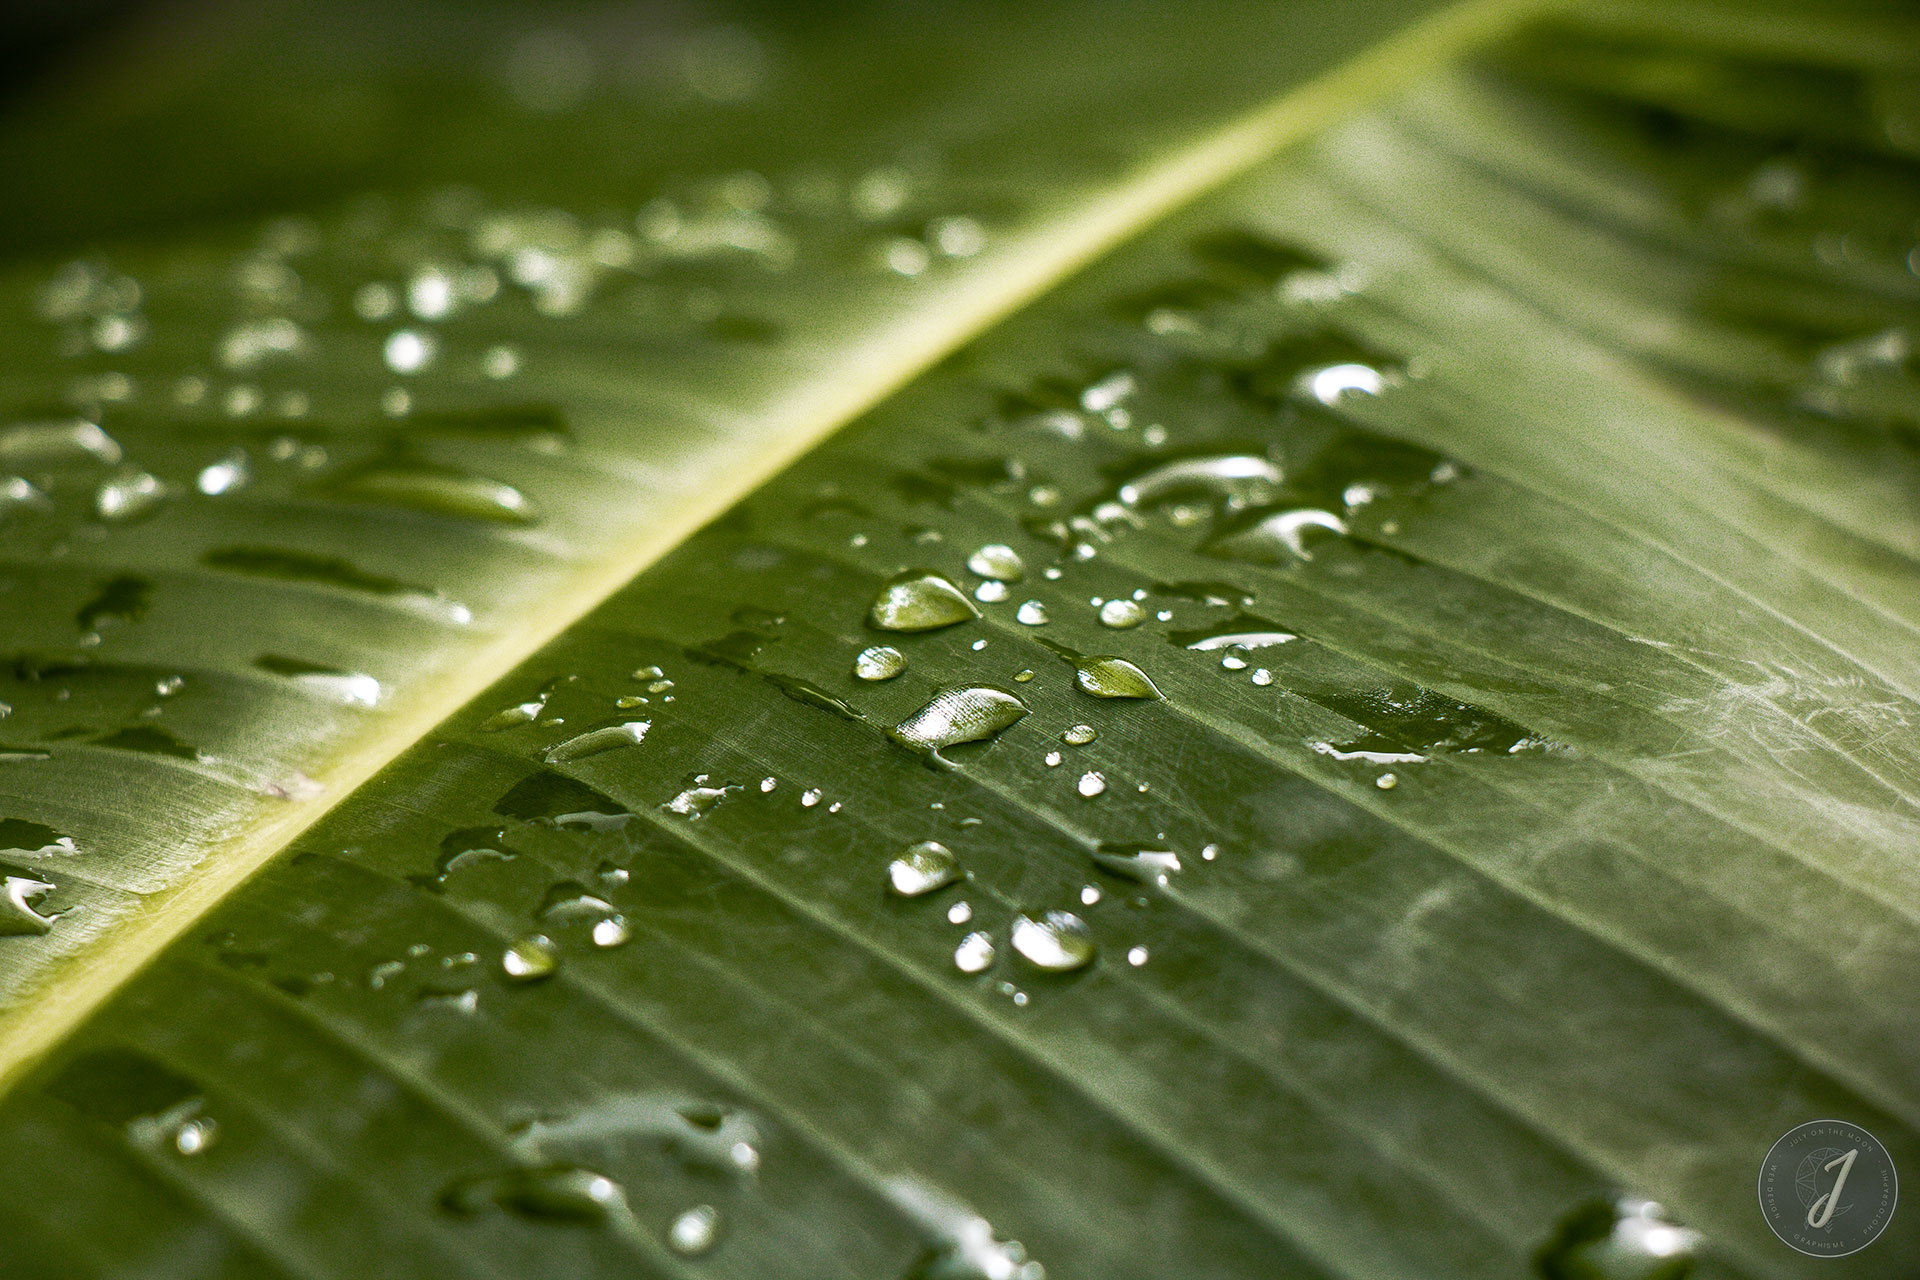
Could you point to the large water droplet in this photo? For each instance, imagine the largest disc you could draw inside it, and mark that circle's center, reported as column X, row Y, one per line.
column 920, row 600
column 921, row 868
column 880, row 662
column 1282, row 537
column 595, row 741
column 1057, row 941
column 350, row 687
column 530, row 959
column 1240, row 479
column 1110, row 677
column 19, row 891
column 968, row 713
column 997, row 560
column 32, row 446
column 445, row 491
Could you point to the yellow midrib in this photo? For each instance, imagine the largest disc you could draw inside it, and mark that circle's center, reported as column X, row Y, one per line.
column 1034, row 263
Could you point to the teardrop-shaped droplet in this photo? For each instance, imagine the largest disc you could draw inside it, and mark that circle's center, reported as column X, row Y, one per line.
column 1283, row 537
column 445, row 491
column 1056, row 941
column 697, row 801
column 595, row 741
column 1140, row 863
column 920, row 600
column 530, row 959
column 1122, row 614
column 1110, row 677
column 695, row 1232
column 1079, row 735
column 968, row 713
column 921, row 868
column 1238, row 478
column 974, row 953
column 880, row 662
column 33, row 446
column 997, row 560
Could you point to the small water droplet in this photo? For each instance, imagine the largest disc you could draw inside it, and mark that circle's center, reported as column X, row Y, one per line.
column 33, row 446
column 409, row 350
column 1053, row 759
column 1079, row 735
column 530, row 959
column 1056, row 941
column 1282, row 537
column 975, row 953
column 997, row 560
column 1143, row 864
column 810, row 797
column 1335, row 382
column 967, row 713
column 880, row 662
column 991, row 591
column 1089, row 894
column 920, row 600
column 1236, row 479
column 695, row 1232
column 1031, row 614
column 437, row 490
column 231, row 471
column 922, row 868
column 1263, row 677
column 768, row 784
column 1386, row 782
column 1023, row 676
column 129, row 495
column 518, row 714
column 697, row 801
column 959, row 913
column 1091, row 784
column 1121, row 614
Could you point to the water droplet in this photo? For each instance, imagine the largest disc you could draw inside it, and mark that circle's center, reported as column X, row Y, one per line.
column 20, row 890
column 1031, row 614
column 975, row 953
column 1282, row 537
column 1079, row 735
column 530, row 959
column 1110, row 677
column 997, row 560
column 1335, row 382
column 1056, row 941
column 991, row 592
column 768, row 784
column 500, row 362
column 1263, row 677
column 129, row 495
column 1386, row 782
column 33, row 446
column 1619, row 1239
column 461, row 1000
column 232, row 471
column 1237, row 479
column 920, row 600
column 1143, row 864
column 1121, row 614
column 1091, row 784
column 695, row 1232
column 1136, row 956
column 880, row 662
column 967, row 713
column 349, row 687
column 437, row 490
column 596, row 741
column 518, row 714
column 921, row 868
column 1053, row 759
column 959, row 913
column 409, row 350
column 557, row 1193
column 697, row 801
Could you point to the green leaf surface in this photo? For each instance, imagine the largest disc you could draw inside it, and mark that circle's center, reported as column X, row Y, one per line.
column 1375, row 717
